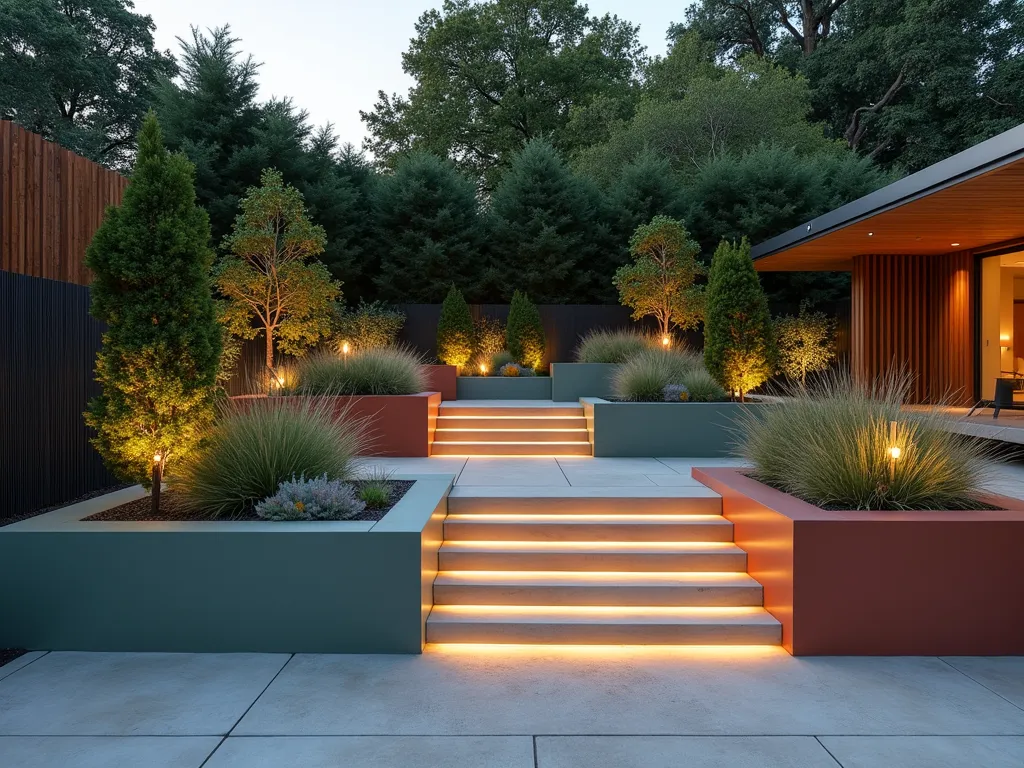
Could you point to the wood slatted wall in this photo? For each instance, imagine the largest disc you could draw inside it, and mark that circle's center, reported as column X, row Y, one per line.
column 51, row 203
column 915, row 312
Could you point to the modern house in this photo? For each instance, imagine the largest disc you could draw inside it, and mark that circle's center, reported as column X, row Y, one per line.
column 937, row 263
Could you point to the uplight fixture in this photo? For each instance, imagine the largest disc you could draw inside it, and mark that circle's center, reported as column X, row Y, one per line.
column 345, row 349
column 483, row 369
column 664, row 341
column 894, row 450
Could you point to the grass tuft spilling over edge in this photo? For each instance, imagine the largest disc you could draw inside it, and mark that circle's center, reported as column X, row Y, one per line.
column 384, row 371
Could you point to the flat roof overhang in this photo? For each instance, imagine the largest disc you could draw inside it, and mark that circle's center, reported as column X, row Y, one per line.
column 970, row 201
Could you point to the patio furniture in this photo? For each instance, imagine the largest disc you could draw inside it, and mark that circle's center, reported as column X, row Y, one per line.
column 1005, row 389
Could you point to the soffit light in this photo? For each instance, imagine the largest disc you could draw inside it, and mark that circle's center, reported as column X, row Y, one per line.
column 954, row 244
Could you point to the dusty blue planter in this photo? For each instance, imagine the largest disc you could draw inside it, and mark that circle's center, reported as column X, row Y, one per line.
column 323, row 587
column 571, row 381
column 663, row 429
column 503, row 387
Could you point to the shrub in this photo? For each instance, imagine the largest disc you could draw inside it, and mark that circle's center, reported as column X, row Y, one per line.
column 489, row 336
column 644, row 376
column 317, row 499
column 601, row 346
column 805, row 343
column 702, row 386
column 499, row 360
column 376, row 489
column 455, row 330
column 738, row 345
column 524, row 333
column 509, row 369
column 368, row 326
column 257, row 444
column 675, row 393
column 387, row 371
column 161, row 351
column 829, row 445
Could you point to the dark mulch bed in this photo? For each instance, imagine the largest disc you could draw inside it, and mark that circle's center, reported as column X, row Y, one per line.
column 172, row 509
column 10, row 654
column 44, row 510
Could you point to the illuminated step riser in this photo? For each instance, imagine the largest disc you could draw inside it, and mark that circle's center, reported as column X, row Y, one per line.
column 511, row 435
column 583, row 560
column 510, row 449
column 596, row 595
column 455, row 410
column 581, row 505
column 512, row 422
column 584, row 530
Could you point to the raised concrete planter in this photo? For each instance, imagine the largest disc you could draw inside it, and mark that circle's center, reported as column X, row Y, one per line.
column 880, row 583
column 662, row 429
column 571, row 381
column 201, row 587
column 397, row 425
column 441, row 378
column 504, row 388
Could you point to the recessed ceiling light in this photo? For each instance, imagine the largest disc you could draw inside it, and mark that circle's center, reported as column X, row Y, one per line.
column 871, row 234
column 954, row 244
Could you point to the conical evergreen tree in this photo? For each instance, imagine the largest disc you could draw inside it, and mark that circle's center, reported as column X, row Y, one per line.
column 524, row 332
column 548, row 238
column 739, row 347
column 455, row 330
column 427, row 225
column 647, row 187
column 158, row 366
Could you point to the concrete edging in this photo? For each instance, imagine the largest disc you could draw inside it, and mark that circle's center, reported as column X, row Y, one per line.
column 571, row 381
column 503, row 387
column 223, row 586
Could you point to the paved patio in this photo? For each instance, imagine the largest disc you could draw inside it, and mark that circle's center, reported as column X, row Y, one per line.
column 515, row 706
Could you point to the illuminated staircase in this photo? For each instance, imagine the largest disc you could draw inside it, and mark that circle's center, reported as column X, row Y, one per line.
column 562, row 568
column 556, row 429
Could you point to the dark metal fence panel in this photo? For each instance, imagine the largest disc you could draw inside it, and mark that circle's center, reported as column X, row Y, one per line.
column 48, row 346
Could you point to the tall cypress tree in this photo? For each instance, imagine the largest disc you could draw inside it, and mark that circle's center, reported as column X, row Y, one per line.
column 158, row 366
column 548, row 237
column 428, row 229
column 739, row 348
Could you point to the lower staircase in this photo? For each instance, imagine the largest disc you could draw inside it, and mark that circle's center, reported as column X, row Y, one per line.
column 559, row 568
column 480, row 429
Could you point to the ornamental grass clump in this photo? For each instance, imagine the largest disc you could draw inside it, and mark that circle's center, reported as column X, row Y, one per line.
column 316, row 499
column 643, row 377
column 256, row 444
column 830, row 445
column 387, row 371
column 702, row 386
column 376, row 489
column 602, row 346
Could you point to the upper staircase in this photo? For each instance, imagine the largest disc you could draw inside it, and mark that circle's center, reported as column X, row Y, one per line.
column 510, row 428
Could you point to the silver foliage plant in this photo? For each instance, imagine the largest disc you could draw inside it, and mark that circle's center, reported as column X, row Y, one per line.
column 315, row 499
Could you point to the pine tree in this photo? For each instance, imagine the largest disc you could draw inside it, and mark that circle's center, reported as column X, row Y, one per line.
column 454, row 330
column 426, row 219
column 548, row 239
column 524, row 332
column 646, row 188
column 739, row 348
column 158, row 366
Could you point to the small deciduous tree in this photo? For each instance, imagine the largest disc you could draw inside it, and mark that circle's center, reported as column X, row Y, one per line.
column 805, row 343
column 159, row 363
column 269, row 280
column 660, row 281
column 739, row 349
column 454, row 330
column 524, row 332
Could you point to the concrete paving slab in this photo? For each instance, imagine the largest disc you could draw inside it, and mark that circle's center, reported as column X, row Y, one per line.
column 106, row 751
column 586, row 478
column 926, row 751
column 120, row 694
column 375, row 752
column 674, row 481
column 442, row 465
column 1003, row 675
column 623, row 465
column 566, row 491
column 511, row 690
column 24, row 660
column 512, row 471
column 676, row 751
column 684, row 465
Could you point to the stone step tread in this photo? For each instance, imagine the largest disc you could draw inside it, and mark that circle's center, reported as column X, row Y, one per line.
column 557, row 448
column 595, row 547
column 516, row 412
column 510, row 422
column 626, row 616
column 511, row 435
column 596, row 579
column 584, row 518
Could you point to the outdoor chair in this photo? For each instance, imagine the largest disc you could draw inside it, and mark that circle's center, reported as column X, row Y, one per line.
column 1005, row 389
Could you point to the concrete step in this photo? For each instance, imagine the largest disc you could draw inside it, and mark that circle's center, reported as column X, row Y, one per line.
column 510, row 435
column 563, row 500
column 440, row 448
column 547, row 527
column 603, row 625
column 515, row 421
column 591, row 589
column 590, row 556
column 516, row 411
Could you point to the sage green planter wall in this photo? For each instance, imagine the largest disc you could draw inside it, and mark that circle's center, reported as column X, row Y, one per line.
column 663, row 429
column 503, row 387
column 571, row 381
column 317, row 587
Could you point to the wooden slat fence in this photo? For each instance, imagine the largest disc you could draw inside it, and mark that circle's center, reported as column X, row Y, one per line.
column 51, row 203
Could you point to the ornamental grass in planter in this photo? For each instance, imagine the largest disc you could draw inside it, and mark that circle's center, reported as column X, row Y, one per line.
column 831, row 445
column 602, row 346
column 644, row 376
column 385, row 371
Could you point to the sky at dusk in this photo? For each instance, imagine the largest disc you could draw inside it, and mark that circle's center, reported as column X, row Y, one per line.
column 332, row 56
